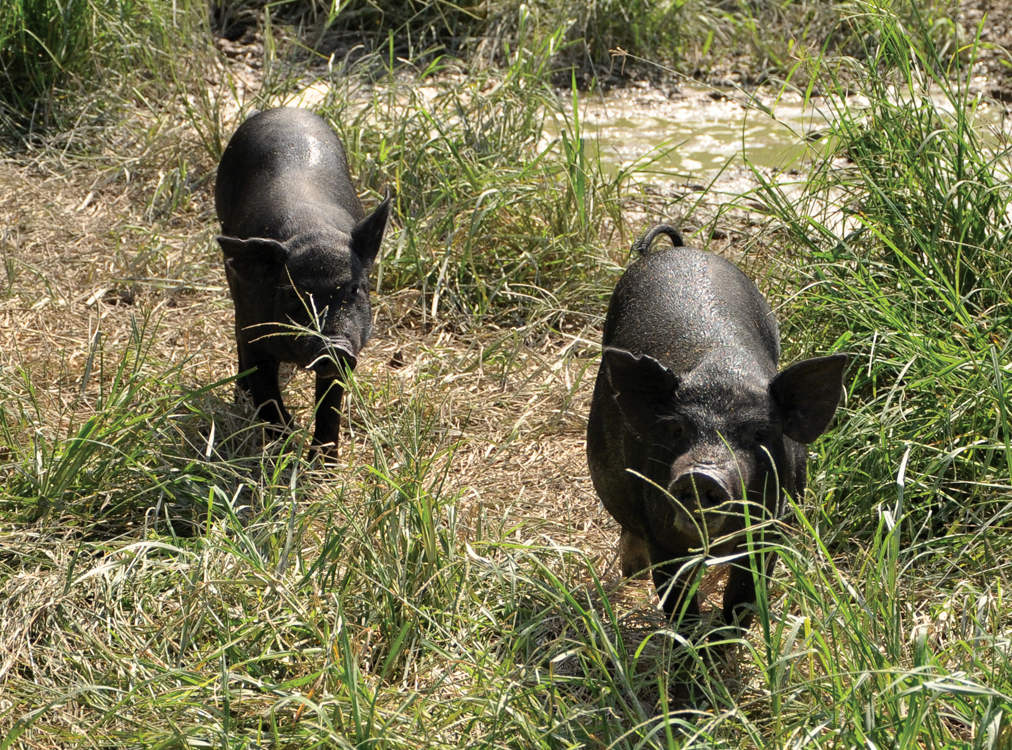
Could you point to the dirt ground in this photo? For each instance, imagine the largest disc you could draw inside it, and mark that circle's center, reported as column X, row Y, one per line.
column 995, row 22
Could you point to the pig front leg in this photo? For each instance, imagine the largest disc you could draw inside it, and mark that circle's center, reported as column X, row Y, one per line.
column 670, row 580
column 329, row 394
column 634, row 555
column 740, row 593
column 262, row 385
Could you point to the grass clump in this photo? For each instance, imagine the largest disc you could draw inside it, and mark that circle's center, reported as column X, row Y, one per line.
column 487, row 235
column 52, row 53
column 908, row 271
column 483, row 34
column 84, row 457
column 899, row 239
column 42, row 44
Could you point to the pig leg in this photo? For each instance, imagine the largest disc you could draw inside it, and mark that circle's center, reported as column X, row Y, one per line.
column 670, row 580
column 242, row 383
column 329, row 394
column 262, row 386
column 634, row 554
column 740, row 594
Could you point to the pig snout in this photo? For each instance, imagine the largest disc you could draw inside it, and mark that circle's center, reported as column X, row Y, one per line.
column 699, row 490
column 335, row 357
column 701, row 497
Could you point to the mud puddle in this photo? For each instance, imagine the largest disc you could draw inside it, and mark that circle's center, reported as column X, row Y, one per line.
column 696, row 132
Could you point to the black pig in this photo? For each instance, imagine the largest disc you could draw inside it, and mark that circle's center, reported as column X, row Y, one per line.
column 298, row 249
column 689, row 418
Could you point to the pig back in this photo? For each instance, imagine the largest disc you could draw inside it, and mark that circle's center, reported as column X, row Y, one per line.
column 678, row 305
column 285, row 172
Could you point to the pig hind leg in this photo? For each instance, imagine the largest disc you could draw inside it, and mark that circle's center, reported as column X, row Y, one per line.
column 634, row 555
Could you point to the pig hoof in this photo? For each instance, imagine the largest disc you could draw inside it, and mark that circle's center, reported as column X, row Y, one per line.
column 635, row 571
column 274, row 432
column 326, row 454
column 634, row 556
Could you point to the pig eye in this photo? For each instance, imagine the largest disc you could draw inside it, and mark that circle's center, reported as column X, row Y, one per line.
column 756, row 434
column 675, row 428
column 297, row 303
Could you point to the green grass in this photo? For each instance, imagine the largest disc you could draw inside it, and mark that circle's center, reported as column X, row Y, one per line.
column 53, row 51
column 166, row 580
column 916, row 284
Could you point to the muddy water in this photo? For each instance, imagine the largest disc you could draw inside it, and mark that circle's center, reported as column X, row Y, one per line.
column 697, row 132
column 694, row 132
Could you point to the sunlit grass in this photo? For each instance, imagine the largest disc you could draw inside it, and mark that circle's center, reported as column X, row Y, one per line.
column 167, row 580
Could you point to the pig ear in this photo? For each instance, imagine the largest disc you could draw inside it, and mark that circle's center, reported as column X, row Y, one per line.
column 641, row 387
column 257, row 256
column 367, row 235
column 807, row 393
